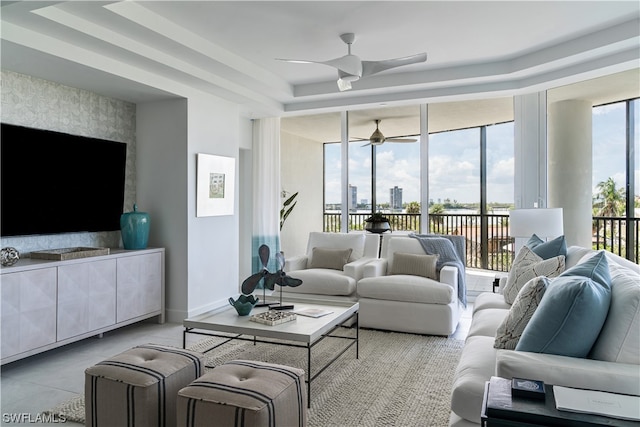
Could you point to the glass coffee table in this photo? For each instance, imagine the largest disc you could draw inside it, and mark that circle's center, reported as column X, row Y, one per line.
column 305, row 332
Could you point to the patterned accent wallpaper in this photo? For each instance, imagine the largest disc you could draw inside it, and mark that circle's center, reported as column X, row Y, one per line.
column 32, row 102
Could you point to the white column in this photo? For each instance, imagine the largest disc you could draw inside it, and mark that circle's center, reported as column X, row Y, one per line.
column 530, row 139
column 570, row 167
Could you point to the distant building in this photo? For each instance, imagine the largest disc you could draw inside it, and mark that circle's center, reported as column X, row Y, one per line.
column 353, row 198
column 395, row 198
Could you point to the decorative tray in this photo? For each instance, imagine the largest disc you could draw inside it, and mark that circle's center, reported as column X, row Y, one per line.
column 273, row 317
column 69, row 253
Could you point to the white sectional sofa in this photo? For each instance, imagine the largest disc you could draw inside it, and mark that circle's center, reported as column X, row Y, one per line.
column 613, row 363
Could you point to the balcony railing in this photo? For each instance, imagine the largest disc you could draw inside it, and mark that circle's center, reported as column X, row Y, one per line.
column 489, row 245
column 618, row 235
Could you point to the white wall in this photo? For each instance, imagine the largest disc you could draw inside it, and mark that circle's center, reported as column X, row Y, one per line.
column 213, row 241
column 162, row 130
column 301, row 170
column 202, row 254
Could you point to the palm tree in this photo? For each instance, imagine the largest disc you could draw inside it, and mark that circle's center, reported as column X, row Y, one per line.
column 436, row 221
column 610, row 200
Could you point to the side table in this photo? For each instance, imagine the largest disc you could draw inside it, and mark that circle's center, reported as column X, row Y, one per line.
column 500, row 409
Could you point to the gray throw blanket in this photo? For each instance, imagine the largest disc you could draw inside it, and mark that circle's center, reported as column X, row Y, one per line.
column 451, row 251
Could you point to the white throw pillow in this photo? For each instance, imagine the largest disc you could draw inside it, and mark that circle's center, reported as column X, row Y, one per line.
column 526, row 266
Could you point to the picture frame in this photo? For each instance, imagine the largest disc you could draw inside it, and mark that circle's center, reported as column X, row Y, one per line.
column 215, row 187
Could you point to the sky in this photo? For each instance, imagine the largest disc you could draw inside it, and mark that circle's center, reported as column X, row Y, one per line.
column 454, row 162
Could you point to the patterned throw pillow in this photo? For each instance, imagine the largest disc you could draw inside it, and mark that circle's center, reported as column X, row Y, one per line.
column 334, row 259
column 526, row 266
column 414, row 265
column 525, row 304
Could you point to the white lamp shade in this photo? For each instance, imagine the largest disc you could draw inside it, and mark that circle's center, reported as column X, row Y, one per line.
column 544, row 223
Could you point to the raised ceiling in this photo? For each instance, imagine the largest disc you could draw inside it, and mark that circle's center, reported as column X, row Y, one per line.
column 147, row 50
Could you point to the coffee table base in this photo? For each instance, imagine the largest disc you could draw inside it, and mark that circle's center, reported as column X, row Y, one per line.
column 354, row 340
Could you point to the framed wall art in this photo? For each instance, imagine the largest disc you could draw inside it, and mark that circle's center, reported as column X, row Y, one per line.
column 215, row 186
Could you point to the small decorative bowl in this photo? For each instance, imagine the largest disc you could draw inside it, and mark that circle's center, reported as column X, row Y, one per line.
column 9, row 256
column 244, row 304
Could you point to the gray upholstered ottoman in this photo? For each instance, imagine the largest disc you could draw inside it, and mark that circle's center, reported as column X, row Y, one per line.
column 248, row 393
column 139, row 386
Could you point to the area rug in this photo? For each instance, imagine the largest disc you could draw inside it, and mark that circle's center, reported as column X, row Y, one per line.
column 399, row 379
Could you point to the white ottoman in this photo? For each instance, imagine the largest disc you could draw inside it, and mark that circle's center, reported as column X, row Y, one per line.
column 139, row 386
column 243, row 392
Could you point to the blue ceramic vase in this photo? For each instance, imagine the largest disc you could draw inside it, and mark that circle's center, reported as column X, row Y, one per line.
column 134, row 227
column 244, row 304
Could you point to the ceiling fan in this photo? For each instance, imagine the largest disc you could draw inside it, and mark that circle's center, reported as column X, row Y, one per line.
column 351, row 68
column 377, row 138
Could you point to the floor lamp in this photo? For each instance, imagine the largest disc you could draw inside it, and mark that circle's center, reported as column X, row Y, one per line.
column 544, row 223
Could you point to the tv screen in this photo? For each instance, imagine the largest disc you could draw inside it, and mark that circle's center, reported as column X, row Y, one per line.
column 53, row 182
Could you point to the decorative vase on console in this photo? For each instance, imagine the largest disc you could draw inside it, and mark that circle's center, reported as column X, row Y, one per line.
column 134, row 227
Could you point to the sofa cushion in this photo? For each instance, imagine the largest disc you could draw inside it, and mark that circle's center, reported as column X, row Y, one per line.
column 550, row 249
column 415, row 265
column 575, row 254
column 619, row 339
column 322, row 281
column 489, row 300
column 406, row 288
column 486, row 322
column 526, row 266
column 405, row 245
column 526, row 303
column 355, row 241
column 571, row 313
column 477, row 365
column 334, row 259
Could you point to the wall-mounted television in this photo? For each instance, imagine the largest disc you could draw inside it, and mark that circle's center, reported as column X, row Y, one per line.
column 53, row 182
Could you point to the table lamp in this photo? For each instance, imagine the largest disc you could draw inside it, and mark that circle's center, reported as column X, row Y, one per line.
column 544, row 223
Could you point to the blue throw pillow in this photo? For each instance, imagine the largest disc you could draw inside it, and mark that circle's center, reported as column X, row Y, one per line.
column 595, row 268
column 546, row 250
column 572, row 312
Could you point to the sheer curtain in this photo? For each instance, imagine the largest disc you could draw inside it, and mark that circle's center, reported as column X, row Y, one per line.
column 266, row 190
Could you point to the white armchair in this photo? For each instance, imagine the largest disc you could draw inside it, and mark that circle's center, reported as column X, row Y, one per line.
column 332, row 265
column 395, row 295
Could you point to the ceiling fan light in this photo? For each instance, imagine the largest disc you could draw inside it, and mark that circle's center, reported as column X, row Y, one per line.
column 344, row 84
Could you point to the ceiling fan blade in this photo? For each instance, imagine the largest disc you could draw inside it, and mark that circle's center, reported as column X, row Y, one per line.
column 400, row 140
column 367, row 144
column 373, row 67
column 299, row 61
column 348, row 64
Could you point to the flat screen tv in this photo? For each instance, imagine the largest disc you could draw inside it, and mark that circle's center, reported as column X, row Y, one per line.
column 53, row 182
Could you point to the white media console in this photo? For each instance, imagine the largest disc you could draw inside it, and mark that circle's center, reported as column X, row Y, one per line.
column 47, row 304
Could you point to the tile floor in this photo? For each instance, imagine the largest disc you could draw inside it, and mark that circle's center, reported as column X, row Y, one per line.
column 42, row 381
